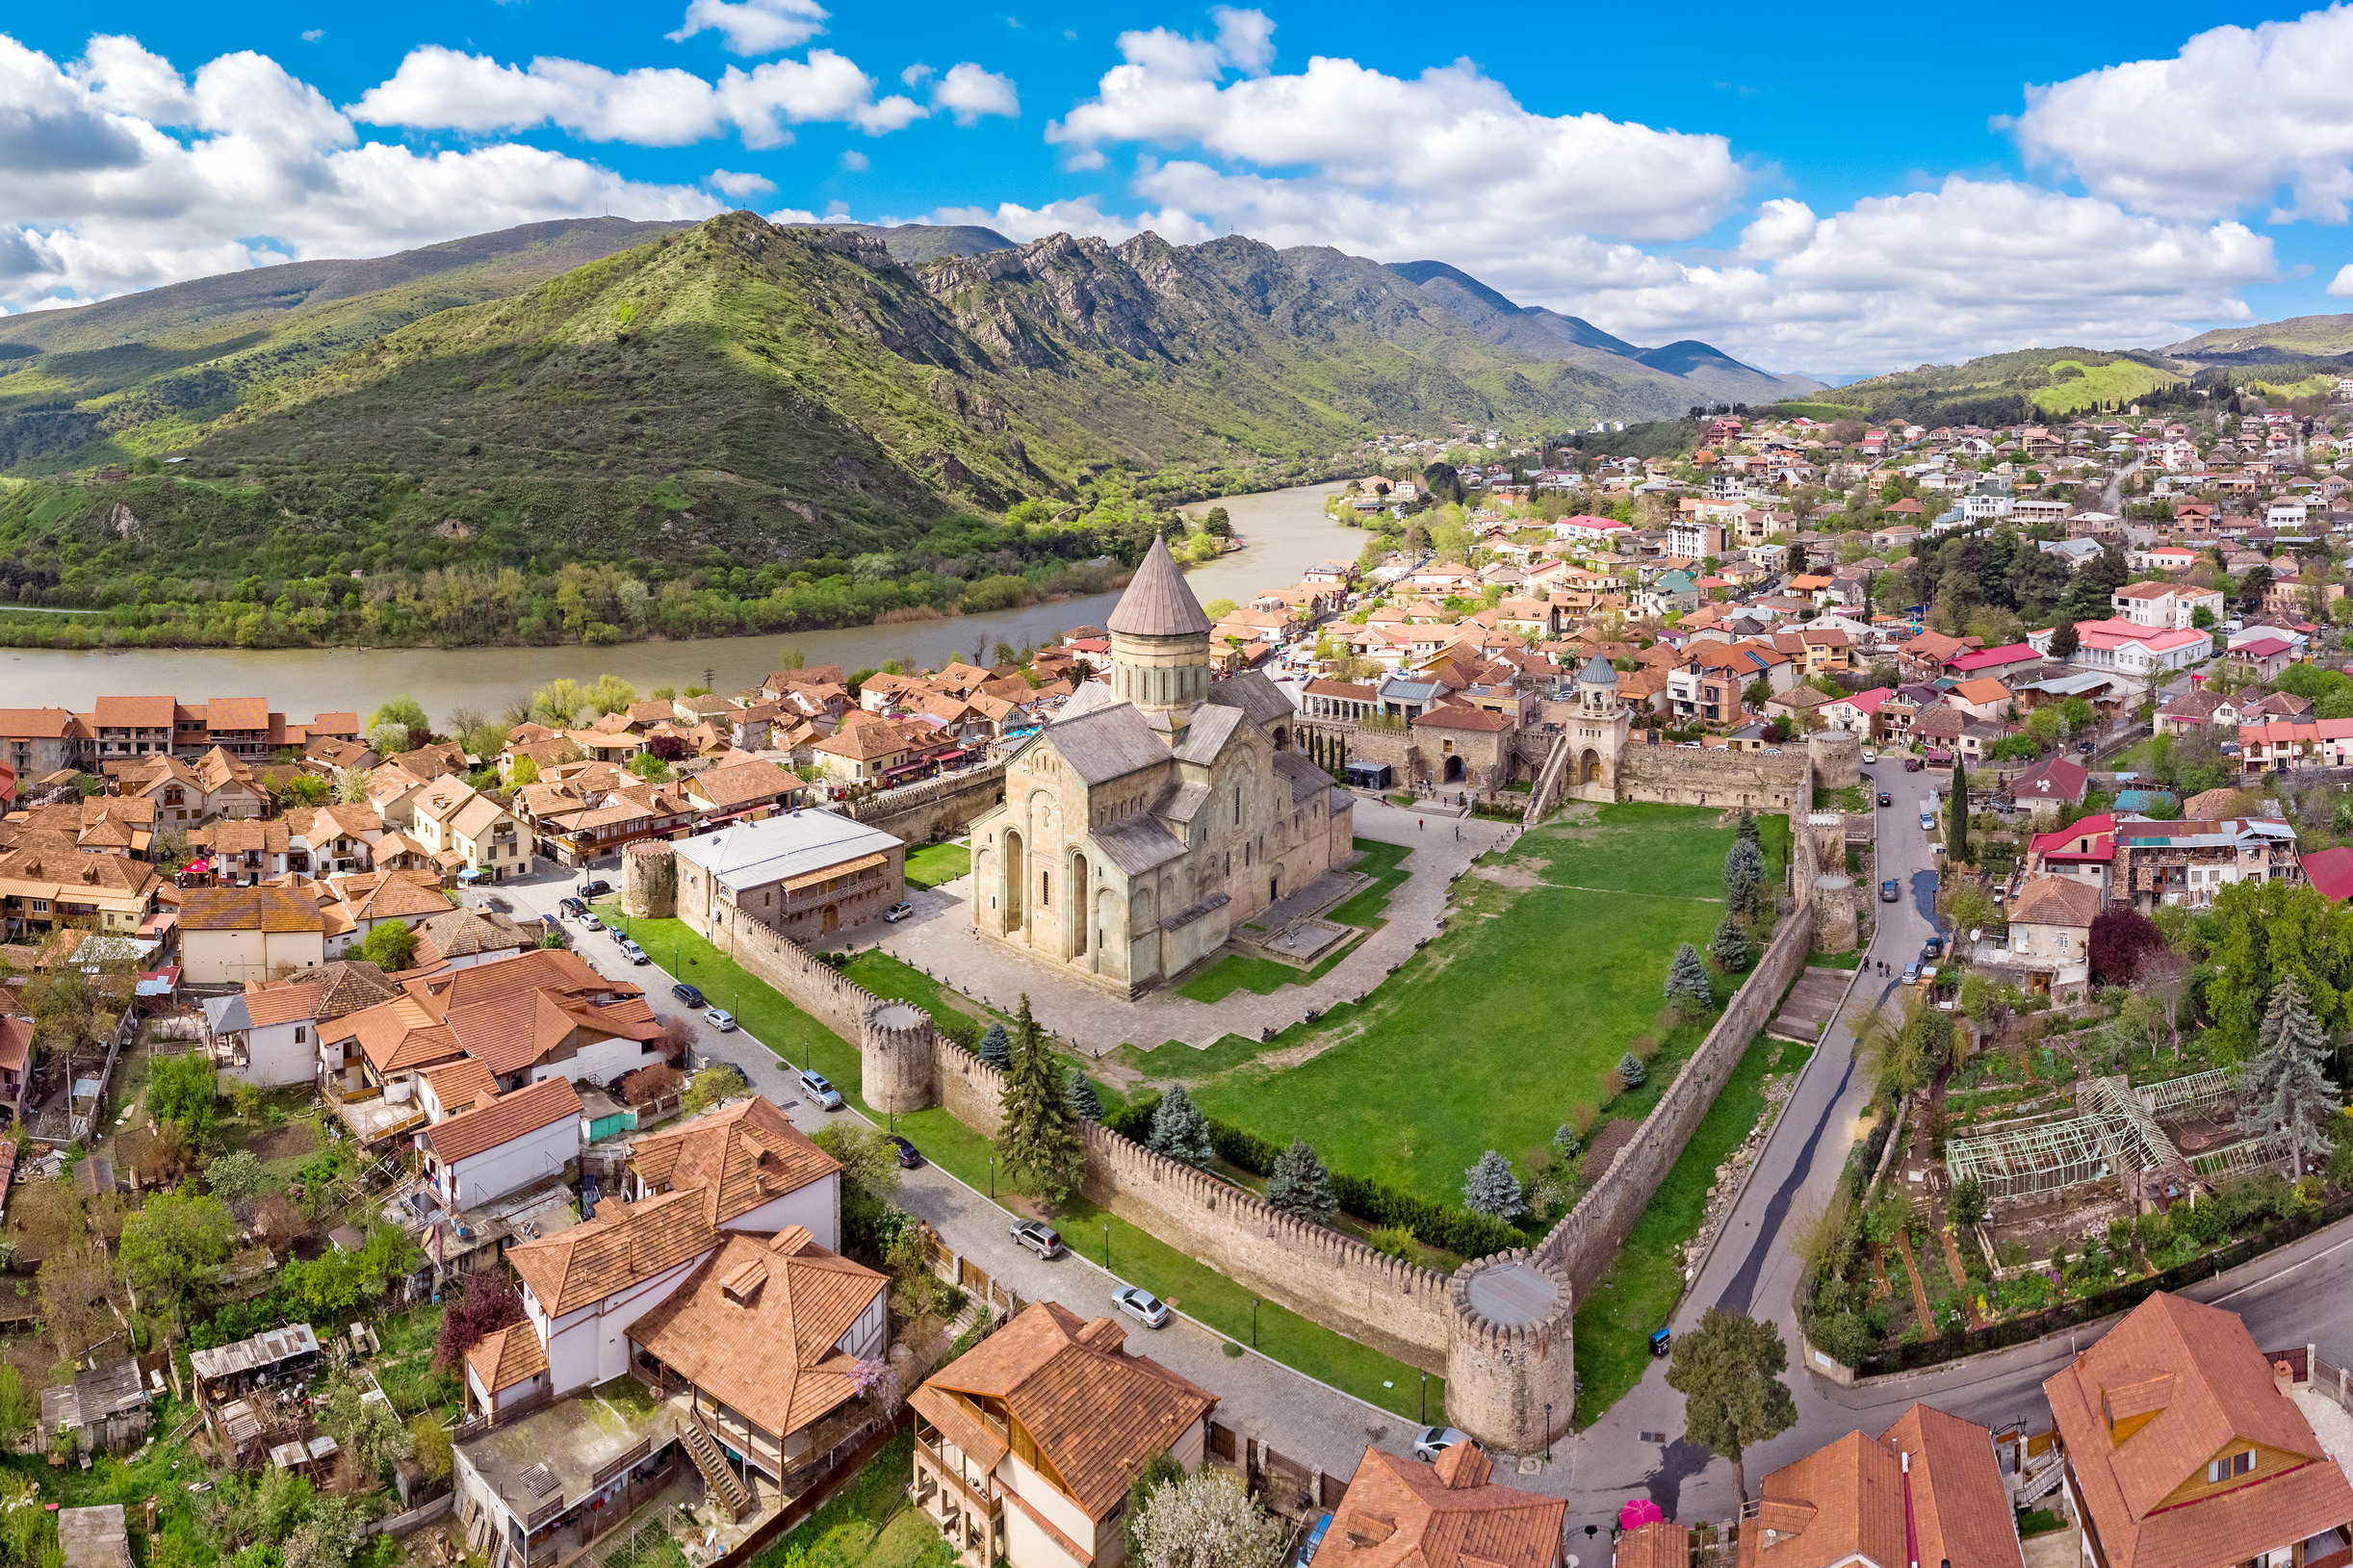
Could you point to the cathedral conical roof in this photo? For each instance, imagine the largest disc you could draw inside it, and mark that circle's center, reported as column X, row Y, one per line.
column 1157, row 603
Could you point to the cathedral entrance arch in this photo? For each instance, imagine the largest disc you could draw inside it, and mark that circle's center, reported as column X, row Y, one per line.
column 1454, row 770
column 1588, row 767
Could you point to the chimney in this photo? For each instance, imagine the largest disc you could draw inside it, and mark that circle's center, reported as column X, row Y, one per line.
column 2284, row 1376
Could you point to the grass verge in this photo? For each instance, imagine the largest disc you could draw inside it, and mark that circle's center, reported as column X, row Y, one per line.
column 1640, row 1292
column 936, row 864
column 868, row 1524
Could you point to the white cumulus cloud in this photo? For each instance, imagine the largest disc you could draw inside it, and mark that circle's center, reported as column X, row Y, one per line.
column 118, row 172
column 2240, row 115
column 754, row 26
column 1418, row 150
column 742, row 186
column 2341, row 285
column 443, row 89
column 967, row 92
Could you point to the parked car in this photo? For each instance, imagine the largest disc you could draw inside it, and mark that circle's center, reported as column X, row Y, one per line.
column 573, row 907
column 1870, row 757
column 590, row 922
column 630, row 951
column 595, row 889
column 1911, row 971
column 1889, row 893
column 687, row 995
column 818, row 1089
column 1886, row 799
column 2000, row 894
column 1933, row 949
column 1912, row 764
column 908, row 1158
column 897, row 911
column 1142, row 1305
column 1431, row 1441
column 1039, row 1237
column 719, row 1018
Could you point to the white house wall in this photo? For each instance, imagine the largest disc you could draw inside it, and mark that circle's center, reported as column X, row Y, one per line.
column 514, row 1163
column 818, row 1206
column 278, row 1055
column 589, row 1344
column 602, row 1062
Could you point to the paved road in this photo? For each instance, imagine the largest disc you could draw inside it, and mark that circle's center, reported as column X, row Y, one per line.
column 1306, row 1420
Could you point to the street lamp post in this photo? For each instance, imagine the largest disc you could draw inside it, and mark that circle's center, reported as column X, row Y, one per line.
column 1425, row 1415
column 1548, row 1433
column 1254, row 1323
column 1106, row 1242
column 991, row 1177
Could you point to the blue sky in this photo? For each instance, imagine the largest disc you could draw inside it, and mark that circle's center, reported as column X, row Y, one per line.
column 1811, row 191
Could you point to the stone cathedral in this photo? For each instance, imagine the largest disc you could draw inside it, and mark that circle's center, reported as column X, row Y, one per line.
column 1155, row 814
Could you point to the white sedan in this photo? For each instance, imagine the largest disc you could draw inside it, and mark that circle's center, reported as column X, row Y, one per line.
column 1142, row 1305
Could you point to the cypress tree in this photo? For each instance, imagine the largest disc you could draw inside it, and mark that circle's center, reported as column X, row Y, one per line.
column 1180, row 1131
column 995, row 1048
column 1043, row 1152
column 1956, row 839
column 1490, row 1188
column 2287, row 1090
column 1687, row 978
column 1300, row 1185
column 2064, row 640
column 1085, row 1103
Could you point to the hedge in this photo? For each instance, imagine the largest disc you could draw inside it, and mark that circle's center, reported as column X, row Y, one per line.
column 1377, row 1204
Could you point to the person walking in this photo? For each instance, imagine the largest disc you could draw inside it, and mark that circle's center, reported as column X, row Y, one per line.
column 1420, row 824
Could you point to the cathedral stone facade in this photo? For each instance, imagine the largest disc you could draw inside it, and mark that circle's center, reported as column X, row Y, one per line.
column 1156, row 813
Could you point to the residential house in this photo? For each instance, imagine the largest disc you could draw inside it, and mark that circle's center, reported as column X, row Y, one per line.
column 2051, row 935
column 1027, row 1445
column 38, row 741
column 47, row 879
column 468, row 832
column 128, row 726
column 2166, row 607
column 743, row 790
column 1927, row 1490
column 2188, row 863
column 2261, row 658
column 267, row 1035
column 2049, row 786
column 360, row 901
column 1982, row 697
column 229, row 936
column 2186, row 1449
column 1856, row 713
column 2132, row 649
column 462, row 937
column 1403, row 1513
column 504, row 1145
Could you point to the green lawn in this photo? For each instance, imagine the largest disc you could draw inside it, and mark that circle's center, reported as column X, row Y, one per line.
column 936, row 864
column 1490, row 1035
column 1182, row 1281
column 1640, row 1292
column 868, row 1524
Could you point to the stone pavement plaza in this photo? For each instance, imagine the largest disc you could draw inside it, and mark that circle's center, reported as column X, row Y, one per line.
column 939, row 940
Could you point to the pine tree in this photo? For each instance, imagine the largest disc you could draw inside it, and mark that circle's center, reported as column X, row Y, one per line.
column 1180, row 1131
column 996, row 1047
column 1749, row 831
column 1743, row 875
column 1043, row 1152
column 1631, row 1070
column 1957, row 837
column 1490, row 1188
column 1085, row 1103
column 1731, row 947
column 1300, row 1185
column 2064, row 639
column 1565, row 1141
column 1687, row 978
column 2287, row 1090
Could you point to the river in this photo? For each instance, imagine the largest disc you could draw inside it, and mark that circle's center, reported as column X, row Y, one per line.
column 1285, row 533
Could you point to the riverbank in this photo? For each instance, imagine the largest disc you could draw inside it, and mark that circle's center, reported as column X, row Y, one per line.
column 1286, row 531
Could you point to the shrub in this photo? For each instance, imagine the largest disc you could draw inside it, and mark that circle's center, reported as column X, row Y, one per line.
column 1631, row 1071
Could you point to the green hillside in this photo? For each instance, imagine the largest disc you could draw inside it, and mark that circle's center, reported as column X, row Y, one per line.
column 147, row 372
column 732, row 428
column 2300, row 337
column 2008, row 388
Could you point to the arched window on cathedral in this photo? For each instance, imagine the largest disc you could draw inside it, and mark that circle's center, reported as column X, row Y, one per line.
column 1238, row 806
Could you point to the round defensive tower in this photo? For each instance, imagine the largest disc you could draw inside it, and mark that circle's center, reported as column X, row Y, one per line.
column 1838, row 758
column 894, row 1053
column 1510, row 1367
column 649, row 879
column 1836, row 915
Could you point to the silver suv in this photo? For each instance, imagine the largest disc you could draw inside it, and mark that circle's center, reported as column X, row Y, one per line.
column 1039, row 1237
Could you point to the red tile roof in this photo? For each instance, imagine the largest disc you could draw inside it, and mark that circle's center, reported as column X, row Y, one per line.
column 740, row 1157
column 1401, row 1513
column 626, row 1244
column 503, row 1120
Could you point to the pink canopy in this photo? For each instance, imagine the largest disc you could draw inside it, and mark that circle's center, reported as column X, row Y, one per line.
column 1636, row 1512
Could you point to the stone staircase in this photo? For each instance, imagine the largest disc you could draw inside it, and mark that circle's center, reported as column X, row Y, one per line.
column 2035, row 1484
column 725, row 1488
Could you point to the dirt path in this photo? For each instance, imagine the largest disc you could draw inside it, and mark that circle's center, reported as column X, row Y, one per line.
column 1919, row 1291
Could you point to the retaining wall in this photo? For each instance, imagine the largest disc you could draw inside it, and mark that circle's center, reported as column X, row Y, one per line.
column 1587, row 1240
column 1717, row 776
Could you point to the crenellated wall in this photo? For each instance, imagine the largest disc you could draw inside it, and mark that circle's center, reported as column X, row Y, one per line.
column 1513, row 1385
column 940, row 807
column 1717, row 776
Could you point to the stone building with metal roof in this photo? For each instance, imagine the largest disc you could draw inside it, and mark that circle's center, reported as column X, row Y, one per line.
column 1158, row 812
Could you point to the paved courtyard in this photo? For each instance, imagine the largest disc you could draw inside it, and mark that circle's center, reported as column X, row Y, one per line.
column 939, row 940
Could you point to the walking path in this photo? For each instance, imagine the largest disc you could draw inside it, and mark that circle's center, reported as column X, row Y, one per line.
column 939, row 940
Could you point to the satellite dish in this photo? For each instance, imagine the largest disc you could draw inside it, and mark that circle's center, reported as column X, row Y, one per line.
column 1972, row 934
